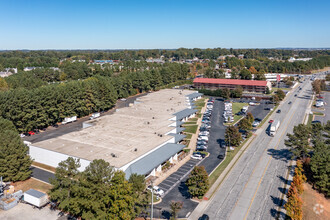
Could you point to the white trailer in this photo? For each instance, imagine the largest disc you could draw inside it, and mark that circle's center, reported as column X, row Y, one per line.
column 69, row 120
column 36, row 198
column 95, row 115
column 273, row 127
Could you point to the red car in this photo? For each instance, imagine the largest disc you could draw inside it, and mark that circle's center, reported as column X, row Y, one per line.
column 31, row 133
column 271, row 121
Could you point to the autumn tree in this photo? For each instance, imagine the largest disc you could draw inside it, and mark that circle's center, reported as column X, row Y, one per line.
column 233, row 136
column 198, row 182
column 293, row 206
column 245, row 124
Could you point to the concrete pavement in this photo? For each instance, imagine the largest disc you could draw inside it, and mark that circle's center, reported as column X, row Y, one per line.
column 253, row 188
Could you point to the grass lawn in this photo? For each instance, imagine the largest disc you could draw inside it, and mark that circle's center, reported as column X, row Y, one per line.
column 192, row 119
column 310, row 119
column 229, row 156
column 188, row 136
column 310, row 199
column 190, row 123
column 32, row 183
column 238, row 106
column 191, row 129
column 318, row 113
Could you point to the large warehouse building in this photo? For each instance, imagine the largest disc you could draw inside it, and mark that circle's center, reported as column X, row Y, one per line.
column 136, row 139
column 247, row 85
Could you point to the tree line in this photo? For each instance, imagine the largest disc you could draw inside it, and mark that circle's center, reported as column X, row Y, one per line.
column 32, row 108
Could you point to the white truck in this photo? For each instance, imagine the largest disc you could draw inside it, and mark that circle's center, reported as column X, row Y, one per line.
column 273, row 127
column 69, row 120
column 36, row 198
column 95, row 115
column 245, row 108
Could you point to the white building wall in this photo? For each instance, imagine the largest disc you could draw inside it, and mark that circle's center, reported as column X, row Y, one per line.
column 52, row 158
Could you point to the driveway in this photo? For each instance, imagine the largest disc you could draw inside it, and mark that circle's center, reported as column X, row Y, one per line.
column 41, row 174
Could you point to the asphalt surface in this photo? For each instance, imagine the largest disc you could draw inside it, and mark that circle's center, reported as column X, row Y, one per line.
column 41, row 174
column 52, row 132
column 180, row 191
column 253, row 188
column 325, row 118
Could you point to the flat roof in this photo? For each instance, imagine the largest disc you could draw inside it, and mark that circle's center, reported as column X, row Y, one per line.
column 154, row 159
column 231, row 81
column 127, row 134
column 35, row 193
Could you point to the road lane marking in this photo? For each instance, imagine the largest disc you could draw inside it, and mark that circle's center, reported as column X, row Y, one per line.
column 269, row 160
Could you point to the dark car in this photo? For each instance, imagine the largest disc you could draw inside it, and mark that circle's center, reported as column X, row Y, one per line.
column 289, row 102
column 295, row 95
column 221, row 156
column 278, row 111
column 204, row 217
column 316, row 122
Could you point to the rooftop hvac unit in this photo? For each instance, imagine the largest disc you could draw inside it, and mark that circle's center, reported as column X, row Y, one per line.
column 113, row 155
column 135, row 149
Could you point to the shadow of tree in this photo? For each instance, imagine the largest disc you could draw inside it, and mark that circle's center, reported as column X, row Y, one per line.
column 282, row 154
column 183, row 189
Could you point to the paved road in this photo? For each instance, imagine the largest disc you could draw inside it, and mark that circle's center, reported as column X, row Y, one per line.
column 41, row 174
column 252, row 190
column 52, row 132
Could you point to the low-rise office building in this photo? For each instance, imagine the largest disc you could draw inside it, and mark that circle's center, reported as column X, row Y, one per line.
column 136, row 139
column 247, row 85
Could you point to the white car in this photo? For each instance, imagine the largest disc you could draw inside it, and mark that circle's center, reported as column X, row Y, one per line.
column 252, row 103
column 123, row 99
column 22, row 135
column 196, row 156
column 158, row 191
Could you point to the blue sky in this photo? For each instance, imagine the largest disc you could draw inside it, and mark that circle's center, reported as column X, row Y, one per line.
column 139, row 24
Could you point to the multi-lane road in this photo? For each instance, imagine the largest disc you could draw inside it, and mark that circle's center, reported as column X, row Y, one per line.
column 254, row 187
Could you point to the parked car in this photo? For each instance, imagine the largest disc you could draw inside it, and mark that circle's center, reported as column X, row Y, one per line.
column 22, row 135
column 31, row 133
column 123, row 99
column 289, row 102
column 196, row 157
column 221, row 156
column 255, row 123
column 316, row 122
column 278, row 111
column 295, row 95
column 199, row 153
column 158, row 191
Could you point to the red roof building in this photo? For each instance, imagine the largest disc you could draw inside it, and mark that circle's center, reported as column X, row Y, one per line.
column 247, row 85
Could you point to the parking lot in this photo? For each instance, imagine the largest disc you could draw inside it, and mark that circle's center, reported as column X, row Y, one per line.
column 326, row 111
column 175, row 177
column 174, row 187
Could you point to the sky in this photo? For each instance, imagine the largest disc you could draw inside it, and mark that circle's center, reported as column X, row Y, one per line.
column 163, row 24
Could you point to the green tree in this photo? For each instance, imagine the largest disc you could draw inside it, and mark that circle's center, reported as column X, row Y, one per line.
column 175, row 208
column 14, row 159
column 65, row 184
column 320, row 167
column 298, row 142
column 250, row 117
column 280, row 94
column 245, row 124
column 233, row 136
column 198, row 182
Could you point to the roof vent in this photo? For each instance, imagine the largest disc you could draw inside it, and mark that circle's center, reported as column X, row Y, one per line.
column 113, row 155
column 153, row 117
column 160, row 135
column 135, row 149
column 148, row 122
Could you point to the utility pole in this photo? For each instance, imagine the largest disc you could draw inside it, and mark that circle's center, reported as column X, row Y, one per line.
column 152, row 200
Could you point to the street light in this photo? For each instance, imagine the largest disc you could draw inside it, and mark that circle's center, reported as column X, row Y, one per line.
column 152, row 200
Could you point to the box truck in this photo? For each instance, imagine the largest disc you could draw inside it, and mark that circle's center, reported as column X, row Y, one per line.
column 69, row 120
column 95, row 115
column 273, row 127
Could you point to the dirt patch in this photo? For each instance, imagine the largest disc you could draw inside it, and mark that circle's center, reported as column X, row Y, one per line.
column 315, row 205
column 32, row 184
